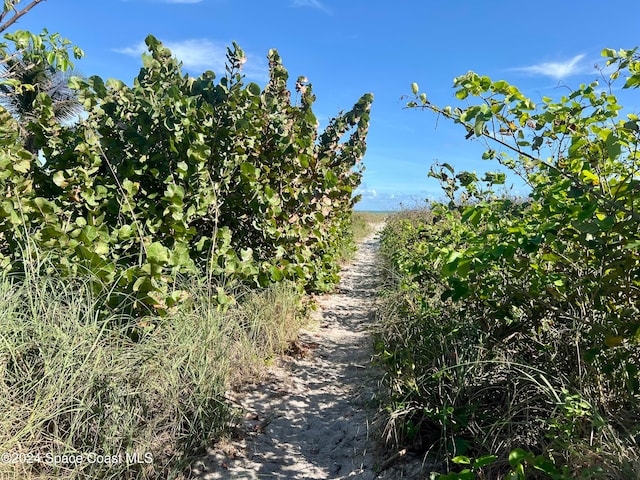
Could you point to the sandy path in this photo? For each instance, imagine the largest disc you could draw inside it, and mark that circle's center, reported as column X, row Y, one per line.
column 312, row 418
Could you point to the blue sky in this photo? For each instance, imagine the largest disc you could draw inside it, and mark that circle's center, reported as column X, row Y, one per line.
column 350, row 47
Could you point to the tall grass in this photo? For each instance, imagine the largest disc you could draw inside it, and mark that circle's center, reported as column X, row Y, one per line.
column 266, row 325
column 73, row 380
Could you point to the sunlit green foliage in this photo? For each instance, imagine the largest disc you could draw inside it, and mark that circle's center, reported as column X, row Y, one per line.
column 181, row 175
column 518, row 319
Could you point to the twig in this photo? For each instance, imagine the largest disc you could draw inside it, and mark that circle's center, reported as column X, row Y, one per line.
column 392, row 459
column 17, row 15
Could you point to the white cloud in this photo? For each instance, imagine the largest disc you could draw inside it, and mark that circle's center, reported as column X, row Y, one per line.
column 389, row 201
column 204, row 54
column 310, row 3
column 200, row 54
column 557, row 70
column 364, row 190
column 132, row 50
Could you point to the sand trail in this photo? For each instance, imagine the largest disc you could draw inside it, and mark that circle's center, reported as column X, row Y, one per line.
column 312, row 417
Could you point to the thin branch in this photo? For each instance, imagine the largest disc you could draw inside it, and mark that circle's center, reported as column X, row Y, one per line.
column 18, row 14
column 572, row 178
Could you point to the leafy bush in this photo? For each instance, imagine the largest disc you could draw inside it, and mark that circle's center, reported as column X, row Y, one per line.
column 180, row 175
column 516, row 324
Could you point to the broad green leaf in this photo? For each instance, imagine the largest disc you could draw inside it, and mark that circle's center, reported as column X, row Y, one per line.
column 101, row 248
column 174, row 193
column 22, row 166
column 130, row 187
column 484, row 461
column 517, row 456
column 90, row 233
column 157, row 253
column 461, row 459
column 473, row 215
column 254, row 89
column 448, row 167
column 59, row 179
column 276, row 274
column 478, row 128
column 125, row 232
column 249, row 170
column 590, row 177
column 142, row 284
column 612, row 144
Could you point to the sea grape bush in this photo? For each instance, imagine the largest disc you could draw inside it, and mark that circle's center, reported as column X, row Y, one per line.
column 522, row 314
column 178, row 175
column 574, row 242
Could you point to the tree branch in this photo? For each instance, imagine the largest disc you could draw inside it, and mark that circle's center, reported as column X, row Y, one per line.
column 18, row 14
column 572, row 178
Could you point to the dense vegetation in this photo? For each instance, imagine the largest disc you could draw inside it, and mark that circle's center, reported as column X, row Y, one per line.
column 73, row 384
column 178, row 176
column 511, row 327
column 155, row 239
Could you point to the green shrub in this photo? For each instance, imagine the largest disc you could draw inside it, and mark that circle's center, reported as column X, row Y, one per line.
column 462, row 381
column 515, row 321
column 177, row 175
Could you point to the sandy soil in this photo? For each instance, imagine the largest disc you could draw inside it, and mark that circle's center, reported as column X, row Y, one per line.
column 313, row 417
